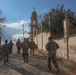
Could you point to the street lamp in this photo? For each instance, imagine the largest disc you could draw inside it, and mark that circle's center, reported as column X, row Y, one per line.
column 24, row 31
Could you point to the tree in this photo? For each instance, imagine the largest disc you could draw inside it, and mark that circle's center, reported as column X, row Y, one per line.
column 2, row 19
column 72, row 16
column 55, row 27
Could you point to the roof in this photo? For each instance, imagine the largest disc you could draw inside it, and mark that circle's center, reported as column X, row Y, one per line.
column 34, row 14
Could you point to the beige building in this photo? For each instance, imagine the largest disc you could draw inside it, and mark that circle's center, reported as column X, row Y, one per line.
column 67, row 43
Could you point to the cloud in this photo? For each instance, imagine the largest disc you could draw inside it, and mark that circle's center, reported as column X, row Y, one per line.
column 46, row 10
column 16, row 36
column 13, row 31
column 16, row 25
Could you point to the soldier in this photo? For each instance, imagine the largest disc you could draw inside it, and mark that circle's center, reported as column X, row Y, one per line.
column 52, row 47
column 18, row 44
column 6, row 51
column 32, row 46
column 28, row 42
column 25, row 46
column 11, row 45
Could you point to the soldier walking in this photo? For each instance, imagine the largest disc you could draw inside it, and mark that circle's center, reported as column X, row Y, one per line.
column 25, row 46
column 10, row 45
column 52, row 47
column 32, row 47
column 6, row 52
column 18, row 44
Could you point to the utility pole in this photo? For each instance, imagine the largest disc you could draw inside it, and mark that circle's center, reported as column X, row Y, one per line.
column 41, row 37
column 37, row 35
column 23, row 30
column 49, row 25
column 66, row 34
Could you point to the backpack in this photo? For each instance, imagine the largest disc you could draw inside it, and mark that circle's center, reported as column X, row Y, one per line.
column 25, row 44
column 18, row 43
column 6, row 48
column 47, row 46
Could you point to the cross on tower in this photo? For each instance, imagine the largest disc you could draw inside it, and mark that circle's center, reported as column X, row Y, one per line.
column 34, row 8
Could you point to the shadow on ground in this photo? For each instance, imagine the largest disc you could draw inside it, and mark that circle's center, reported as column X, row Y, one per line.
column 20, row 70
column 16, row 56
column 41, row 64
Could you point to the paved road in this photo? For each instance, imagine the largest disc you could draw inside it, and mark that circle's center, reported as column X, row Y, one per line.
column 36, row 66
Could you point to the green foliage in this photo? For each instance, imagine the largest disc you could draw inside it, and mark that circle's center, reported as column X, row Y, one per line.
column 55, row 27
column 2, row 19
column 72, row 17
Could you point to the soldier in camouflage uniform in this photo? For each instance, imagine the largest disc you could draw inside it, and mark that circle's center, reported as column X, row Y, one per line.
column 18, row 44
column 11, row 46
column 25, row 46
column 32, row 46
column 6, row 51
column 52, row 47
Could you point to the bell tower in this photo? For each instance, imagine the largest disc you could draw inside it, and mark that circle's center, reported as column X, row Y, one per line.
column 33, row 25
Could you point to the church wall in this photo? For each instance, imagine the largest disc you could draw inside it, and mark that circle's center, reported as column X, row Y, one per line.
column 62, row 52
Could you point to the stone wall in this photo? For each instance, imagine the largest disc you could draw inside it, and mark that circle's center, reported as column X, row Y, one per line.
column 62, row 52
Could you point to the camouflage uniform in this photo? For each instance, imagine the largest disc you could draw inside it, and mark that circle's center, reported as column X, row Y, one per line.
column 10, row 44
column 18, row 44
column 6, row 52
column 52, row 47
column 25, row 46
column 32, row 47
